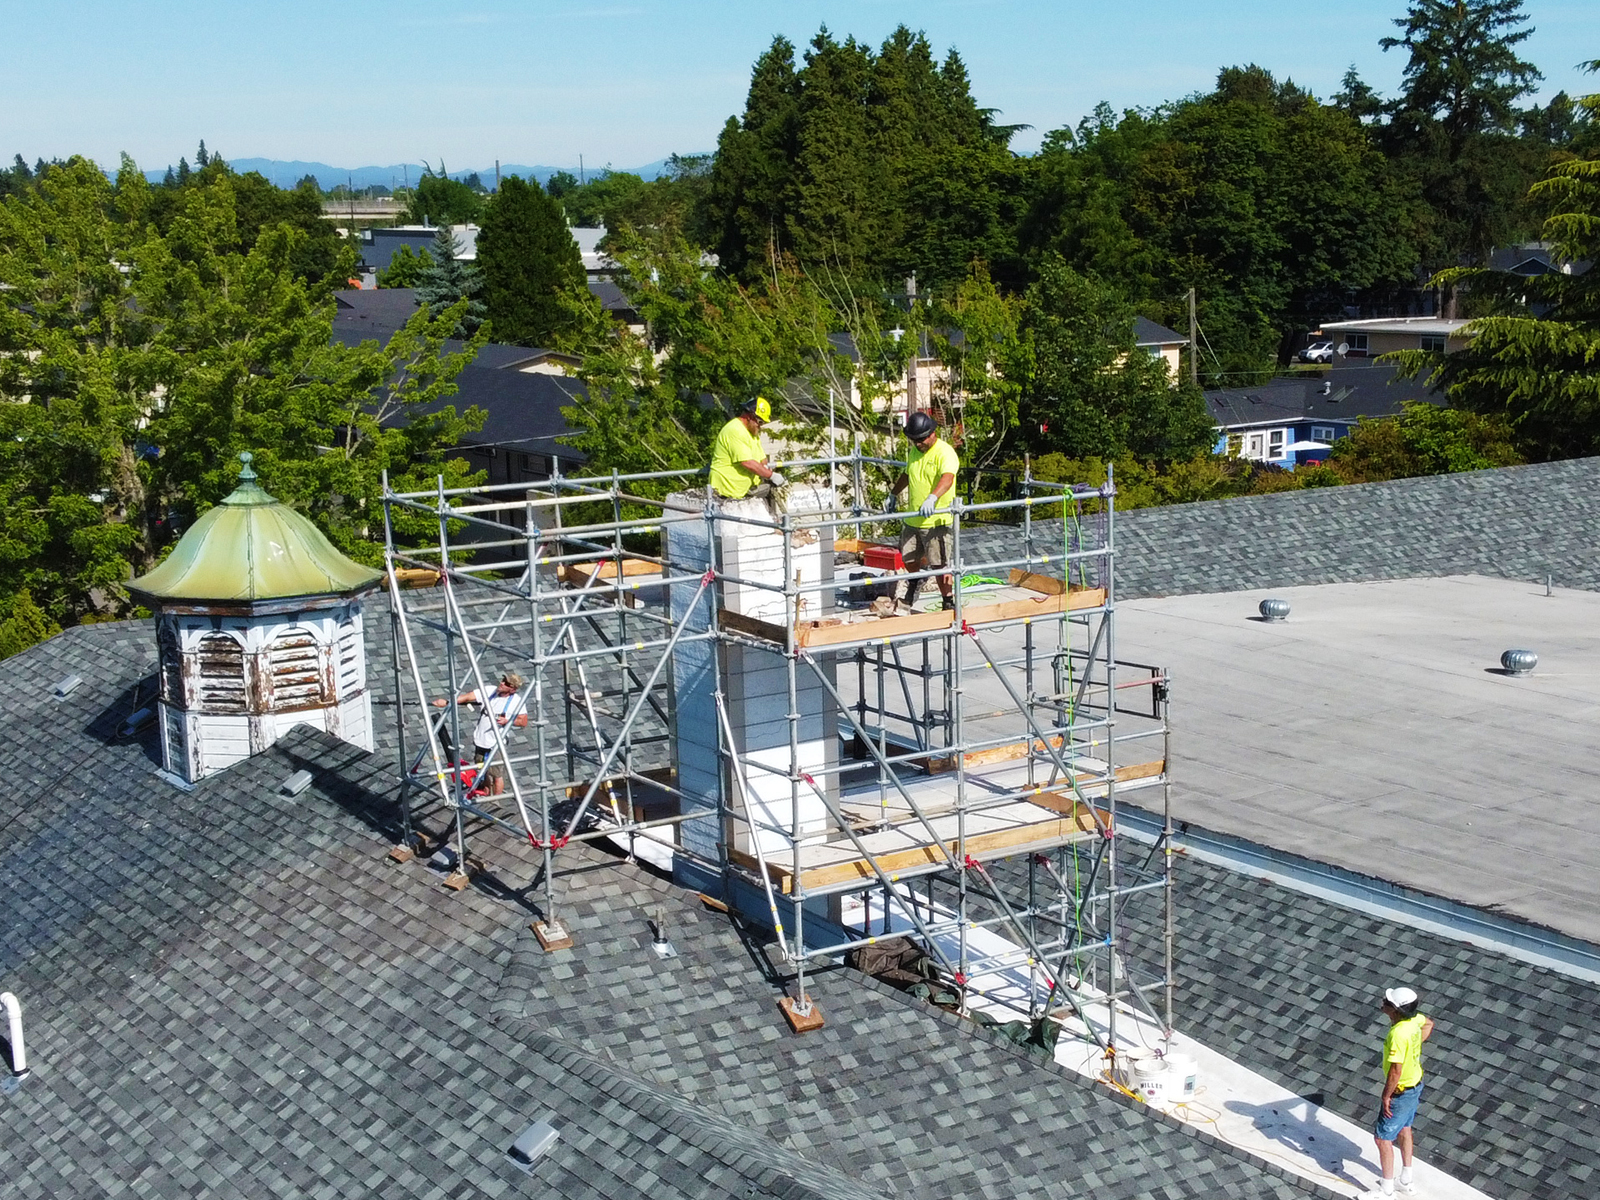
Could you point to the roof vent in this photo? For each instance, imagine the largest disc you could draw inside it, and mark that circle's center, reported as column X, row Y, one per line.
column 67, row 686
column 1327, row 387
column 19, row 1053
column 658, row 935
column 1274, row 610
column 295, row 784
column 1519, row 662
column 532, row 1144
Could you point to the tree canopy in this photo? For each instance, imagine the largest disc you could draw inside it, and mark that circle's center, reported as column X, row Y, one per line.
column 1535, row 358
column 136, row 361
column 533, row 275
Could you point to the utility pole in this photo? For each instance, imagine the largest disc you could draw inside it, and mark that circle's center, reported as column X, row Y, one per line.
column 1194, row 343
column 580, row 170
column 497, row 175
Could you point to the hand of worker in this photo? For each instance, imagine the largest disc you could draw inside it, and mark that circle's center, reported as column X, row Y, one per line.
column 776, row 479
column 889, row 503
column 440, row 702
column 928, row 505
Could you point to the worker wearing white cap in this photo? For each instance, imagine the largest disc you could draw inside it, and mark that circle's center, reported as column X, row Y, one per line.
column 1402, row 1084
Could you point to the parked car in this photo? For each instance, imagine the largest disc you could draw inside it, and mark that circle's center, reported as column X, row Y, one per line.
column 1317, row 352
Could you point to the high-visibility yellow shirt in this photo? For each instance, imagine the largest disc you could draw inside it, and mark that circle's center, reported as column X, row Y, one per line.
column 1403, row 1045
column 924, row 469
column 735, row 445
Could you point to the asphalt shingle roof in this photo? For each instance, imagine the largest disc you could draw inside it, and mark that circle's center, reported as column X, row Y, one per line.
column 1368, row 390
column 1510, row 523
column 1290, row 985
column 232, row 992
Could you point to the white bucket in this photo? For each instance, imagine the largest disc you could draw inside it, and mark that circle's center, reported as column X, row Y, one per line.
column 1181, row 1072
column 1128, row 1066
column 1150, row 1079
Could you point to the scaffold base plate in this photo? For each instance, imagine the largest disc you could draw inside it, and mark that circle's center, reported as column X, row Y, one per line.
column 800, row 1023
column 401, row 854
column 552, row 935
column 457, row 880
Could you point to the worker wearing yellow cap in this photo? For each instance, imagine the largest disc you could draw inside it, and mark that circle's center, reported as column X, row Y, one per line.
column 737, row 460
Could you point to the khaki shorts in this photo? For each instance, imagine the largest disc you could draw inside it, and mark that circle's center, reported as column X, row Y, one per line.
column 925, row 549
column 495, row 770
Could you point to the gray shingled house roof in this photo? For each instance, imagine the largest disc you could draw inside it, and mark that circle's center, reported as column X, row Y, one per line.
column 231, row 992
column 1512, row 523
column 1289, row 983
column 1367, row 390
column 1148, row 333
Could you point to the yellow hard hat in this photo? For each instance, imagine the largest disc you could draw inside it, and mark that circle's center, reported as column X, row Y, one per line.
column 759, row 409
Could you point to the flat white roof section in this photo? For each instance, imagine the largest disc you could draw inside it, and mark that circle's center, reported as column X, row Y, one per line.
column 1375, row 731
column 1446, row 325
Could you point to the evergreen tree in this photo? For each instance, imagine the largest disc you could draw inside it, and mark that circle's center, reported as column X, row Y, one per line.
column 26, row 625
column 532, row 271
column 1532, row 361
column 1452, row 128
column 446, row 280
column 201, row 158
column 1357, row 99
column 852, row 158
column 750, row 189
column 183, row 171
column 169, row 180
column 560, row 183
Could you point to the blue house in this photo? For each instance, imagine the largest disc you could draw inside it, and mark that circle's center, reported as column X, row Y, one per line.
column 1290, row 421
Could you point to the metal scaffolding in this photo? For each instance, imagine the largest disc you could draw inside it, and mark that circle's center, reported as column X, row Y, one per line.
column 709, row 688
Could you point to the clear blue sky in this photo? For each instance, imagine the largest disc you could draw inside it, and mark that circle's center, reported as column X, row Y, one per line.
column 541, row 82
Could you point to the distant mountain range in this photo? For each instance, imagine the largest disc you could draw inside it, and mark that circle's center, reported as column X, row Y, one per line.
column 287, row 174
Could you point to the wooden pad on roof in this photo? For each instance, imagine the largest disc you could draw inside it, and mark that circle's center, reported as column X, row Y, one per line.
column 1046, row 821
column 1045, row 597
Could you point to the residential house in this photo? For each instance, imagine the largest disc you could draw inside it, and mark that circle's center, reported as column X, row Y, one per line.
column 1533, row 259
column 378, row 246
column 521, row 390
column 1383, row 335
column 1290, row 421
column 1160, row 342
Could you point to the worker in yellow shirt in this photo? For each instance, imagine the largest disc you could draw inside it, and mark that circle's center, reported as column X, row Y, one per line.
column 737, row 459
column 1402, row 1085
column 931, row 475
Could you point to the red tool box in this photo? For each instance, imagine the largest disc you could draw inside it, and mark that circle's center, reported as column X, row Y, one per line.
column 884, row 558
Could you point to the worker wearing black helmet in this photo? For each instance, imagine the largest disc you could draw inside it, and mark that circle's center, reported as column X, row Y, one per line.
column 931, row 475
column 737, row 459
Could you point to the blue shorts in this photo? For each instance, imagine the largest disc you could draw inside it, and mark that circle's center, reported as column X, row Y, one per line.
column 1402, row 1110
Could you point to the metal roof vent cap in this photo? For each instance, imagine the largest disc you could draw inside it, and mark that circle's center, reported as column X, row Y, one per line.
column 531, row 1145
column 1274, row 610
column 1519, row 662
column 1327, row 387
